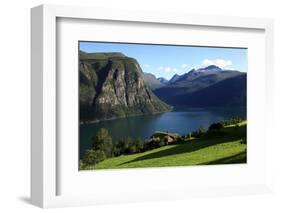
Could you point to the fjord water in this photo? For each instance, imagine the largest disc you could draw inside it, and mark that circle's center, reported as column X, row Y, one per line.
column 180, row 121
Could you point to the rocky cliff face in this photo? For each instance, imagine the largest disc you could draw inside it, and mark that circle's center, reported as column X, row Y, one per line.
column 112, row 86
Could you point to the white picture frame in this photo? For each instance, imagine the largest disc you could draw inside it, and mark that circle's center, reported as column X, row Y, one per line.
column 44, row 154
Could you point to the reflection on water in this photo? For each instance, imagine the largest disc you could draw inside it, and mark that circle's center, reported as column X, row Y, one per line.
column 181, row 121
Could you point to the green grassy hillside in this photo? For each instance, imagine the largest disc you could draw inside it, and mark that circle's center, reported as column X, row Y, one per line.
column 219, row 147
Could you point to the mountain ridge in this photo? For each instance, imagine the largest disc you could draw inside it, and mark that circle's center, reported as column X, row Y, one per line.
column 225, row 91
column 183, row 88
column 112, row 86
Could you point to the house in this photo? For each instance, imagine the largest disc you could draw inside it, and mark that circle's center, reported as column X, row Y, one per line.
column 164, row 137
column 168, row 139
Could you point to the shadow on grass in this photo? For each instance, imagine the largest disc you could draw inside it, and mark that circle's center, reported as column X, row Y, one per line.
column 189, row 147
column 234, row 159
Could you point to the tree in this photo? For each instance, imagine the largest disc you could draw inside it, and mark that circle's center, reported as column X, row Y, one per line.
column 216, row 126
column 132, row 148
column 103, row 141
column 199, row 132
column 92, row 157
column 123, row 145
column 139, row 145
column 115, row 150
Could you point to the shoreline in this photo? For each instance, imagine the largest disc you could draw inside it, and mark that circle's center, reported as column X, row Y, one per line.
column 116, row 118
column 174, row 108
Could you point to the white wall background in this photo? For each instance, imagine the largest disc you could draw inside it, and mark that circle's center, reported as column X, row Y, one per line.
column 15, row 105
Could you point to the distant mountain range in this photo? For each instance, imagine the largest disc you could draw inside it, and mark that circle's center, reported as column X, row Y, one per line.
column 111, row 85
column 209, row 86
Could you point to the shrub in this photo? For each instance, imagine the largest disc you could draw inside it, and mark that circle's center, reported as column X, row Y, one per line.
column 92, row 157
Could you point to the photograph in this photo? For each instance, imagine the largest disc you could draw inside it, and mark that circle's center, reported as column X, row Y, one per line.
column 161, row 105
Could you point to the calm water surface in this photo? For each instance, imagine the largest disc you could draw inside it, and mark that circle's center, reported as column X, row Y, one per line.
column 180, row 121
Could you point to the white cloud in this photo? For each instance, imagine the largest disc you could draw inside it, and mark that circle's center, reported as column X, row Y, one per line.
column 160, row 68
column 167, row 69
column 183, row 66
column 218, row 62
column 146, row 65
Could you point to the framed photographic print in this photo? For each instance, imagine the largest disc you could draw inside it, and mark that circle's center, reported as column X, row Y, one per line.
column 171, row 114
column 148, row 105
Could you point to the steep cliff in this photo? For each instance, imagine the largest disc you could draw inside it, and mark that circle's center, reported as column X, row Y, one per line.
column 112, row 86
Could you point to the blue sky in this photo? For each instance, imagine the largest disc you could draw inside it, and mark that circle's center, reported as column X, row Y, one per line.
column 165, row 60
